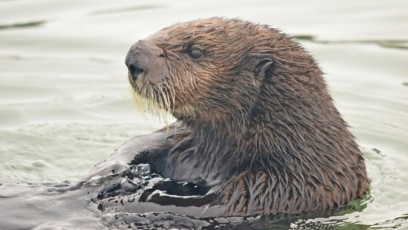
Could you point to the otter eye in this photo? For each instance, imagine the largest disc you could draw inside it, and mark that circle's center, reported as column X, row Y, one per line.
column 195, row 53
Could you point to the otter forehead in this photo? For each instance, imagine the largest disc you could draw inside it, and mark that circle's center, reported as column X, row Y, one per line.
column 224, row 38
column 199, row 26
column 211, row 29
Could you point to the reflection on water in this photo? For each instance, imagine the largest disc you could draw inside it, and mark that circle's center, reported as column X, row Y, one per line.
column 65, row 104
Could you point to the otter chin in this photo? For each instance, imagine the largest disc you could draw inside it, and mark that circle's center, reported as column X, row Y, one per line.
column 256, row 126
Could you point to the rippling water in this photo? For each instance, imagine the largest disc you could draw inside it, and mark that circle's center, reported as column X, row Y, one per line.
column 65, row 103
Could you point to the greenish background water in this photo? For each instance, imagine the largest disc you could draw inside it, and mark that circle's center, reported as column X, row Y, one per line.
column 65, row 103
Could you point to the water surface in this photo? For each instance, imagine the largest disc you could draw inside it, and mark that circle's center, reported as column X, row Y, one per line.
column 65, row 103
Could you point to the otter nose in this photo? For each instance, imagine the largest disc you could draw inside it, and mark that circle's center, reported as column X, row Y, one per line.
column 135, row 63
column 140, row 57
column 134, row 70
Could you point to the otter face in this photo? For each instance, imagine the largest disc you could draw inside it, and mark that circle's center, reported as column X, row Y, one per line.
column 210, row 69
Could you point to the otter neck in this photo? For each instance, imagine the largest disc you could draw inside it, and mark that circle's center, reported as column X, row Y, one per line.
column 223, row 140
column 228, row 129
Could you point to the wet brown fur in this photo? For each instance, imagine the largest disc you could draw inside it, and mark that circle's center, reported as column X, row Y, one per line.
column 271, row 142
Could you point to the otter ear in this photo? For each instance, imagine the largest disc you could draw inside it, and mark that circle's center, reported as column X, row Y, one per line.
column 264, row 68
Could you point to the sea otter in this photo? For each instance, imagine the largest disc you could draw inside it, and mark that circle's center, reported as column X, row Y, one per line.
column 256, row 127
column 257, row 134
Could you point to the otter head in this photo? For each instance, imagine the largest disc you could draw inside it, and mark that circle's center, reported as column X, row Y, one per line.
column 207, row 69
column 220, row 70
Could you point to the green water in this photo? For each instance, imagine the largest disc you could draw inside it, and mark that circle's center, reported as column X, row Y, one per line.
column 65, row 103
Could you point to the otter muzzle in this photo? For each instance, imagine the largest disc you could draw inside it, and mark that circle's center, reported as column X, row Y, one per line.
column 144, row 60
